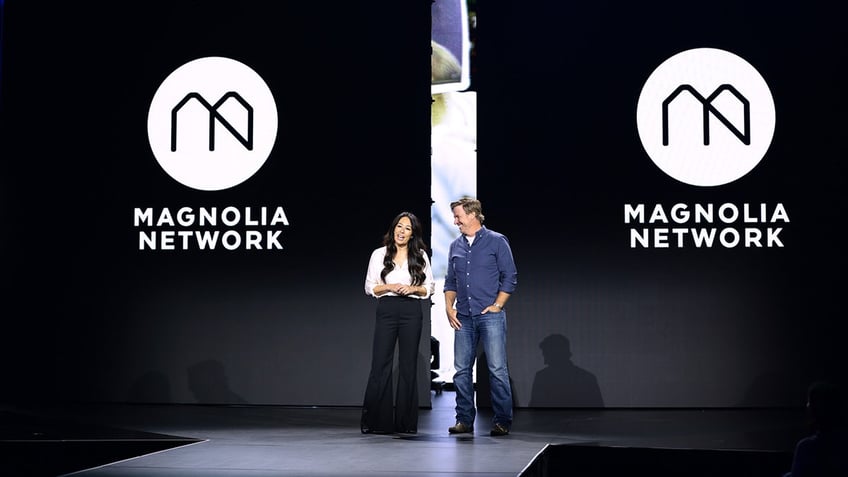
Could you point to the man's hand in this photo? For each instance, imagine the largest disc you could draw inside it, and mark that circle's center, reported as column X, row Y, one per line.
column 452, row 319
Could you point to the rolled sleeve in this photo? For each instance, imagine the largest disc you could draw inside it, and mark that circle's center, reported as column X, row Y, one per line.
column 506, row 264
column 429, row 282
column 375, row 266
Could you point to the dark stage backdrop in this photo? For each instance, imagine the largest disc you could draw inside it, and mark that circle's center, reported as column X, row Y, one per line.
column 597, row 319
column 88, row 316
column 560, row 156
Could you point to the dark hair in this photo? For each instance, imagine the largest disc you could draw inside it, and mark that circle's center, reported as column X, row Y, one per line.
column 471, row 206
column 415, row 249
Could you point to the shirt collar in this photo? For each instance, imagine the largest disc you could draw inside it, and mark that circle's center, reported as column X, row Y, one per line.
column 480, row 233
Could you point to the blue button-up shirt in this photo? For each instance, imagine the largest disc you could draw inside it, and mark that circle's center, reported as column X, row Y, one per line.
column 477, row 272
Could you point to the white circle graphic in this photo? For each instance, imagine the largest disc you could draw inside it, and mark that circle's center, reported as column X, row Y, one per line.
column 212, row 123
column 706, row 117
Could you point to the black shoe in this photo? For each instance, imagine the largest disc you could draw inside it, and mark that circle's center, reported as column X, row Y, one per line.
column 365, row 430
column 460, row 428
column 499, row 430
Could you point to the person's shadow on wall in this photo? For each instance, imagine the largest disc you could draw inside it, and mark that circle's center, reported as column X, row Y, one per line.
column 561, row 383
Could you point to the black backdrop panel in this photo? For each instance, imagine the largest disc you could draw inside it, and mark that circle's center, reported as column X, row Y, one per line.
column 91, row 316
column 560, row 156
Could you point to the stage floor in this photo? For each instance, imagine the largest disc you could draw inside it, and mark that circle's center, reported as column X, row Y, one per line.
column 254, row 441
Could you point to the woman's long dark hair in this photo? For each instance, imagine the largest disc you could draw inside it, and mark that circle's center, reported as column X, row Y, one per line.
column 416, row 248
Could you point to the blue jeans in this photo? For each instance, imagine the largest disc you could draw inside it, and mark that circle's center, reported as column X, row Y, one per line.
column 490, row 330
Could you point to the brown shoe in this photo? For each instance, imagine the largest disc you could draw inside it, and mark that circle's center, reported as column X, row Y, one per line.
column 460, row 428
column 499, row 430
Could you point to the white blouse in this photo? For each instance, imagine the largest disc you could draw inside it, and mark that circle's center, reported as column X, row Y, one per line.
column 399, row 275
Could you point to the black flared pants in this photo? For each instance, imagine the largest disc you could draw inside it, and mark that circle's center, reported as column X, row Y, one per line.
column 398, row 320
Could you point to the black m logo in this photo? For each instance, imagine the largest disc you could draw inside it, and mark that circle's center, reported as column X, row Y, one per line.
column 214, row 115
column 744, row 136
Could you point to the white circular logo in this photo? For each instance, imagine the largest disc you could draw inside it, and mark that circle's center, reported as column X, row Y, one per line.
column 705, row 117
column 212, row 123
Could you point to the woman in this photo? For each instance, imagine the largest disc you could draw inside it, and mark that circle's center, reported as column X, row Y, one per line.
column 400, row 277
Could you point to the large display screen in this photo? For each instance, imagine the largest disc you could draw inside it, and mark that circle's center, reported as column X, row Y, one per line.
column 670, row 178
column 193, row 191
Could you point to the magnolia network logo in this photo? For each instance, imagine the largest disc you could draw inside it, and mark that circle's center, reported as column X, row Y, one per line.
column 212, row 123
column 705, row 117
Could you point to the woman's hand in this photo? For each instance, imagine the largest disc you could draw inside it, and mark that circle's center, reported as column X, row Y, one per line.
column 405, row 290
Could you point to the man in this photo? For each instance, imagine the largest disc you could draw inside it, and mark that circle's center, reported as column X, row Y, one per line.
column 480, row 278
